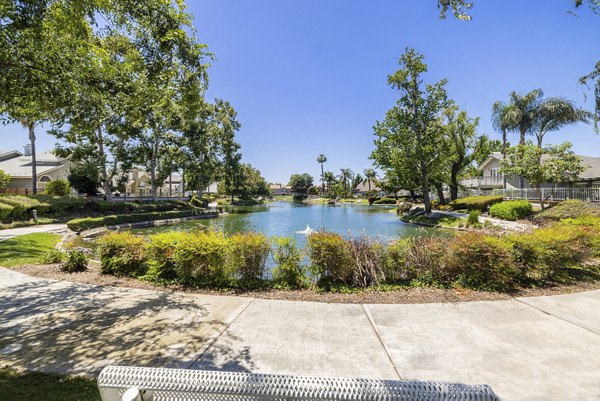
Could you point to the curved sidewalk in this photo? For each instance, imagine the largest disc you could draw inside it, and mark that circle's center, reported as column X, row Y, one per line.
column 545, row 348
column 42, row 228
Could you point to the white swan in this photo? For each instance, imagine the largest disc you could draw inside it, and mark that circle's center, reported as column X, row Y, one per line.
column 306, row 231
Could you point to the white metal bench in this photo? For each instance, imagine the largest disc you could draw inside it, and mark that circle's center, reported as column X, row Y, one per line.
column 119, row 383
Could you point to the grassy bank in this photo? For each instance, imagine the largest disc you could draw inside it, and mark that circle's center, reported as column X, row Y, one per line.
column 21, row 385
column 26, row 249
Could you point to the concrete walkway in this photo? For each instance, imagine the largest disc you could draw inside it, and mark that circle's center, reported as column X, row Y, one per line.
column 42, row 228
column 544, row 348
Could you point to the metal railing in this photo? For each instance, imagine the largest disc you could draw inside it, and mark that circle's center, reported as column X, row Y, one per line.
column 486, row 181
column 587, row 194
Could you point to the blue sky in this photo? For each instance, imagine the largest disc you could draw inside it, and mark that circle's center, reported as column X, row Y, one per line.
column 309, row 76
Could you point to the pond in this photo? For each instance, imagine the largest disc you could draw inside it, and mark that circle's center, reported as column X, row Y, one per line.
column 289, row 219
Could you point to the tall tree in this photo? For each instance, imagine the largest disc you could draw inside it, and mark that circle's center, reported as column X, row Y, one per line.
column 321, row 160
column 329, row 178
column 371, row 176
column 550, row 165
column 594, row 78
column 409, row 137
column 555, row 113
column 345, row 177
column 301, row 183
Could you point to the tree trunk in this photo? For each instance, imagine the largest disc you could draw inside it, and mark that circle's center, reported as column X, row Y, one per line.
column 440, row 194
column 522, row 137
column 153, row 165
column 540, row 139
column 322, row 181
column 171, row 184
column 31, row 128
column 104, row 171
column 504, row 156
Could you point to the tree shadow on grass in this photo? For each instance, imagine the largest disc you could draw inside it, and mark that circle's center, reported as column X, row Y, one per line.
column 26, row 249
column 67, row 328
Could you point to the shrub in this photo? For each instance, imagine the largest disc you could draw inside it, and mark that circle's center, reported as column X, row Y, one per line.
column 75, row 260
column 159, row 255
column 289, row 271
column 481, row 203
column 364, row 256
column 330, row 261
column 394, row 261
column 58, row 188
column 88, row 223
column 479, row 262
column 404, row 208
column 473, row 219
column 21, row 205
column 198, row 202
column 512, row 210
column 547, row 253
column 53, row 256
column 200, row 258
column 247, row 256
column 122, row 254
column 385, row 201
column 569, row 209
column 426, row 260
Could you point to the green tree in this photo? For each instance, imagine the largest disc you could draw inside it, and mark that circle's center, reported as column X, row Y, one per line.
column 84, row 177
column 550, row 165
column 371, row 177
column 329, row 179
column 4, row 179
column 345, row 178
column 301, row 183
column 321, row 160
column 555, row 113
column 58, row 188
column 593, row 78
column 460, row 8
column 248, row 184
column 409, row 140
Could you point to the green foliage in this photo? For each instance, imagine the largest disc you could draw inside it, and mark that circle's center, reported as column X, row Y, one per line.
column 247, row 256
column 88, row 223
column 53, row 256
column 547, row 253
column 58, row 188
column 246, row 183
column 122, row 254
column 159, row 255
column 85, row 178
column 394, row 261
column 409, row 142
column 571, row 208
column 473, row 219
column 289, row 271
column 300, row 183
column 511, row 210
column 200, row 258
column 4, row 179
column 198, row 202
column 479, row 261
column 385, row 201
column 481, row 203
column 329, row 258
column 75, row 260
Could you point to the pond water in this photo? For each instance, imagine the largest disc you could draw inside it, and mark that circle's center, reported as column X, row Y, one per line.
column 288, row 219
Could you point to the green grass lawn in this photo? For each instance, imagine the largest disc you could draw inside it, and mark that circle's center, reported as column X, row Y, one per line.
column 30, row 386
column 26, row 249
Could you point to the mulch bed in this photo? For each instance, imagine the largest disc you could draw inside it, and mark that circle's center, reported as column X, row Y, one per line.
column 403, row 296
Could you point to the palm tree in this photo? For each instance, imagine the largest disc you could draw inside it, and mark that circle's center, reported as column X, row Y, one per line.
column 328, row 177
column 322, row 159
column 555, row 113
column 371, row 175
column 504, row 118
column 345, row 177
column 524, row 109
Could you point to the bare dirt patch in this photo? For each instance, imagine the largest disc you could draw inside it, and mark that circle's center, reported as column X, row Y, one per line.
column 412, row 295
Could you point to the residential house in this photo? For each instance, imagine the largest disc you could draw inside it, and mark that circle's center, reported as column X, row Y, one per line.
column 280, row 190
column 18, row 166
column 139, row 185
column 362, row 189
column 492, row 178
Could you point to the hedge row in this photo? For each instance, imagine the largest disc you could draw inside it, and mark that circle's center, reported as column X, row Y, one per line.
column 18, row 207
column 512, row 210
column 88, row 223
column 472, row 260
column 481, row 203
column 569, row 209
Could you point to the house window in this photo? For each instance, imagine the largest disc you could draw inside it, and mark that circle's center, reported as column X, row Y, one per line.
column 494, row 172
column 45, row 178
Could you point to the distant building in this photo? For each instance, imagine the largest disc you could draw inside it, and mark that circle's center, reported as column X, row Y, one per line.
column 363, row 189
column 280, row 190
column 18, row 166
column 139, row 185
